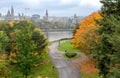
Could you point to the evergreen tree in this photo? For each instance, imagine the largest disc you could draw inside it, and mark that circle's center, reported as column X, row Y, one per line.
column 106, row 49
column 115, row 40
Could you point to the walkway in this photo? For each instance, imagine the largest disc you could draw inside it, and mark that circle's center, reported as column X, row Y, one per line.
column 65, row 68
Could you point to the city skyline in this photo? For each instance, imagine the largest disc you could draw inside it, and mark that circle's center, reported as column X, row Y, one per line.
column 54, row 7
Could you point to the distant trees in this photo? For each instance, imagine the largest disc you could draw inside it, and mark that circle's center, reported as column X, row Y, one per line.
column 23, row 45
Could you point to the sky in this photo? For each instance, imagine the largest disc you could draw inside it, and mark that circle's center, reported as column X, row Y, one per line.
column 60, row 8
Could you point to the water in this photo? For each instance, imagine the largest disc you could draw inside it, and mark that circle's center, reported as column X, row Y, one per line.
column 56, row 35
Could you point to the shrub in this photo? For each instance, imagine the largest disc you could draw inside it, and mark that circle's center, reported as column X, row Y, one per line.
column 70, row 55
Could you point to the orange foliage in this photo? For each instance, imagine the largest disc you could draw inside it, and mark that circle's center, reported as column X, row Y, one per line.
column 12, row 54
column 86, row 34
column 86, row 65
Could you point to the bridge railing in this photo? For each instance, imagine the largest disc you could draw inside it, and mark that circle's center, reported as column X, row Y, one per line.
column 52, row 30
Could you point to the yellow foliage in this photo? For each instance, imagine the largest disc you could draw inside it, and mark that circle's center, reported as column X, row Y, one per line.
column 12, row 35
column 2, row 58
column 29, row 22
column 14, row 61
column 35, row 53
column 11, row 23
column 12, row 54
column 37, row 30
column 86, row 35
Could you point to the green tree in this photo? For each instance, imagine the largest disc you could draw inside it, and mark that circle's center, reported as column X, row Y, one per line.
column 106, row 49
column 3, row 40
column 115, row 40
column 25, row 58
column 31, row 44
column 4, row 71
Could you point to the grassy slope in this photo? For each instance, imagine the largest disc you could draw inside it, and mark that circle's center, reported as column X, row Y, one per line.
column 45, row 70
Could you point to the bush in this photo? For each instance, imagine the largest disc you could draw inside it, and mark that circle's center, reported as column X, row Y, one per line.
column 70, row 55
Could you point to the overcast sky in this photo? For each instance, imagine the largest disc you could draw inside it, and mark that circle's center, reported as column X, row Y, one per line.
column 55, row 7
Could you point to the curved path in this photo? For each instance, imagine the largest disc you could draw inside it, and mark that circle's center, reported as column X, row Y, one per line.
column 65, row 67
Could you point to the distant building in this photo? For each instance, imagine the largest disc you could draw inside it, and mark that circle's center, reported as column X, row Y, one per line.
column 10, row 14
column 12, row 11
column 46, row 22
column 35, row 17
column 0, row 14
column 46, row 16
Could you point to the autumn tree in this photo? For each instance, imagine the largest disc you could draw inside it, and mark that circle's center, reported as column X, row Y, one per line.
column 24, row 47
column 86, row 37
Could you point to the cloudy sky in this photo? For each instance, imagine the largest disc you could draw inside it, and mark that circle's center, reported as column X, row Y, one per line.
column 55, row 7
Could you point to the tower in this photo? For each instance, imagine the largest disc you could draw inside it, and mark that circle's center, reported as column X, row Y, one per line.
column 46, row 13
column 8, row 14
column 12, row 11
column 75, row 16
column 0, row 14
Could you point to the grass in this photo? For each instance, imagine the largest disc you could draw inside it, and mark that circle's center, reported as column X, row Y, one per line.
column 45, row 70
column 68, row 46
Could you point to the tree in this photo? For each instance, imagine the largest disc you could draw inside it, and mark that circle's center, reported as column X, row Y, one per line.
column 86, row 36
column 22, row 45
column 4, row 70
column 30, row 44
column 25, row 58
column 3, row 40
column 107, row 49
column 115, row 40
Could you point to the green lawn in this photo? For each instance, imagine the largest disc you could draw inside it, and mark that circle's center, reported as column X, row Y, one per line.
column 68, row 46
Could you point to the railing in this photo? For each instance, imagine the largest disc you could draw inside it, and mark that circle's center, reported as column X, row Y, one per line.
column 52, row 30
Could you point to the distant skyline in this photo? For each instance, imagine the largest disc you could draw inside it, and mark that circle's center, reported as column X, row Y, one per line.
column 59, row 8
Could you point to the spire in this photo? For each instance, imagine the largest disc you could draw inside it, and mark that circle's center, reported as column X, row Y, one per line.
column 47, row 13
column 12, row 11
column 8, row 13
column 75, row 16
column 0, row 14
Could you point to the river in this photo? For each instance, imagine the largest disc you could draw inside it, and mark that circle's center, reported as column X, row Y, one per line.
column 56, row 35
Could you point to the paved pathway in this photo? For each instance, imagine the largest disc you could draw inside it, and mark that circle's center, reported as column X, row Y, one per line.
column 65, row 68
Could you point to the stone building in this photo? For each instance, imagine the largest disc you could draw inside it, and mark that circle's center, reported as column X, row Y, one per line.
column 10, row 14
